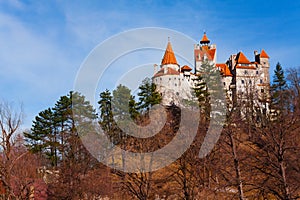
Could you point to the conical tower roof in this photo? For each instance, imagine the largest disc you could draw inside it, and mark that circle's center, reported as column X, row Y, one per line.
column 169, row 57
column 204, row 39
column 263, row 54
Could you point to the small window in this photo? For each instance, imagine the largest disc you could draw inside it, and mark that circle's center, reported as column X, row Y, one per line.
column 256, row 72
column 224, row 83
column 169, row 79
column 250, row 81
column 262, row 91
column 175, row 84
column 243, row 81
column 261, row 81
column 245, row 72
column 160, row 78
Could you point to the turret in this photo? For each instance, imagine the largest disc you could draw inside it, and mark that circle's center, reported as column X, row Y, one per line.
column 204, row 40
column 169, row 59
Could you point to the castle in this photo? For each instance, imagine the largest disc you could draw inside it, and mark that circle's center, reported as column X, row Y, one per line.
column 243, row 80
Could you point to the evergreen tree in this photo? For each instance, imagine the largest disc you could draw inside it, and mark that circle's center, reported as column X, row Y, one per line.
column 279, row 93
column 106, row 116
column 54, row 132
column 43, row 136
column 120, row 103
column 209, row 89
column 148, row 96
column 279, row 79
column 201, row 93
column 62, row 117
column 133, row 108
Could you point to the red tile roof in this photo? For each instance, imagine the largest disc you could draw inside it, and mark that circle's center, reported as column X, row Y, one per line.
column 170, row 71
column 204, row 39
column 263, row 54
column 169, row 57
column 210, row 53
column 186, row 68
column 242, row 59
column 224, row 69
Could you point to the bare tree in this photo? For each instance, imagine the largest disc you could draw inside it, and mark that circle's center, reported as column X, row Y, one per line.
column 10, row 121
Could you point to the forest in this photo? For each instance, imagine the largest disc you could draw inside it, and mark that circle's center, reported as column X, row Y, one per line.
column 256, row 157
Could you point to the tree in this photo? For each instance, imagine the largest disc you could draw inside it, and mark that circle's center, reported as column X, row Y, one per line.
column 10, row 121
column 209, row 89
column 293, row 78
column 106, row 116
column 279, row 78
column 276, row 157
column 148, row 96
column 11, row 154
column 43, row 136
column 279, row 95
column 56, row 135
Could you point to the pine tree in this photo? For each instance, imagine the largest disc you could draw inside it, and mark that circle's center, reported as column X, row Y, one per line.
column 279, row 79
column 201, row 93
column 280, row 98
column 148, row 96
column 106, row 116
column 120, row 103
column 133, row 108
column 209, row 90
column 43, row 136
column 55, row 134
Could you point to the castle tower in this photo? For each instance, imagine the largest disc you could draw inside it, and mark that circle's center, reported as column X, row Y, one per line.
column 204, row 51
column 169, row 59
column 204, row 40
column 265, row 65
column 171, row 80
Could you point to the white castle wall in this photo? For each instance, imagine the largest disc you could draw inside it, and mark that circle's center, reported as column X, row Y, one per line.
column 174, row 88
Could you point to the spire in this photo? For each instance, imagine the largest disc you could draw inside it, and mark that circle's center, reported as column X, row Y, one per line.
column 204, row 39
column 263, row 54
column 169, row 57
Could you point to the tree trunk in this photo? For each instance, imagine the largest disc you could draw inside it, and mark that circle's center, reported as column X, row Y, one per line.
column 237, row 168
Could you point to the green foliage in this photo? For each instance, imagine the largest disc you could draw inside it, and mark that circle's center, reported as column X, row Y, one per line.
column 209, row 89
column 120, row 103
column 54, row 133
column 43, row 137
column 106, row 116
column 133, row 108
column 148, row 96
column 279, row 81
column 279, row 93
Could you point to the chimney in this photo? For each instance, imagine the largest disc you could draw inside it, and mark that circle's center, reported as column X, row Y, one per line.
column 256, row 56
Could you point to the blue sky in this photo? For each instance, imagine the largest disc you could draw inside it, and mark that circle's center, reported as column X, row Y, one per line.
column 43, row 43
